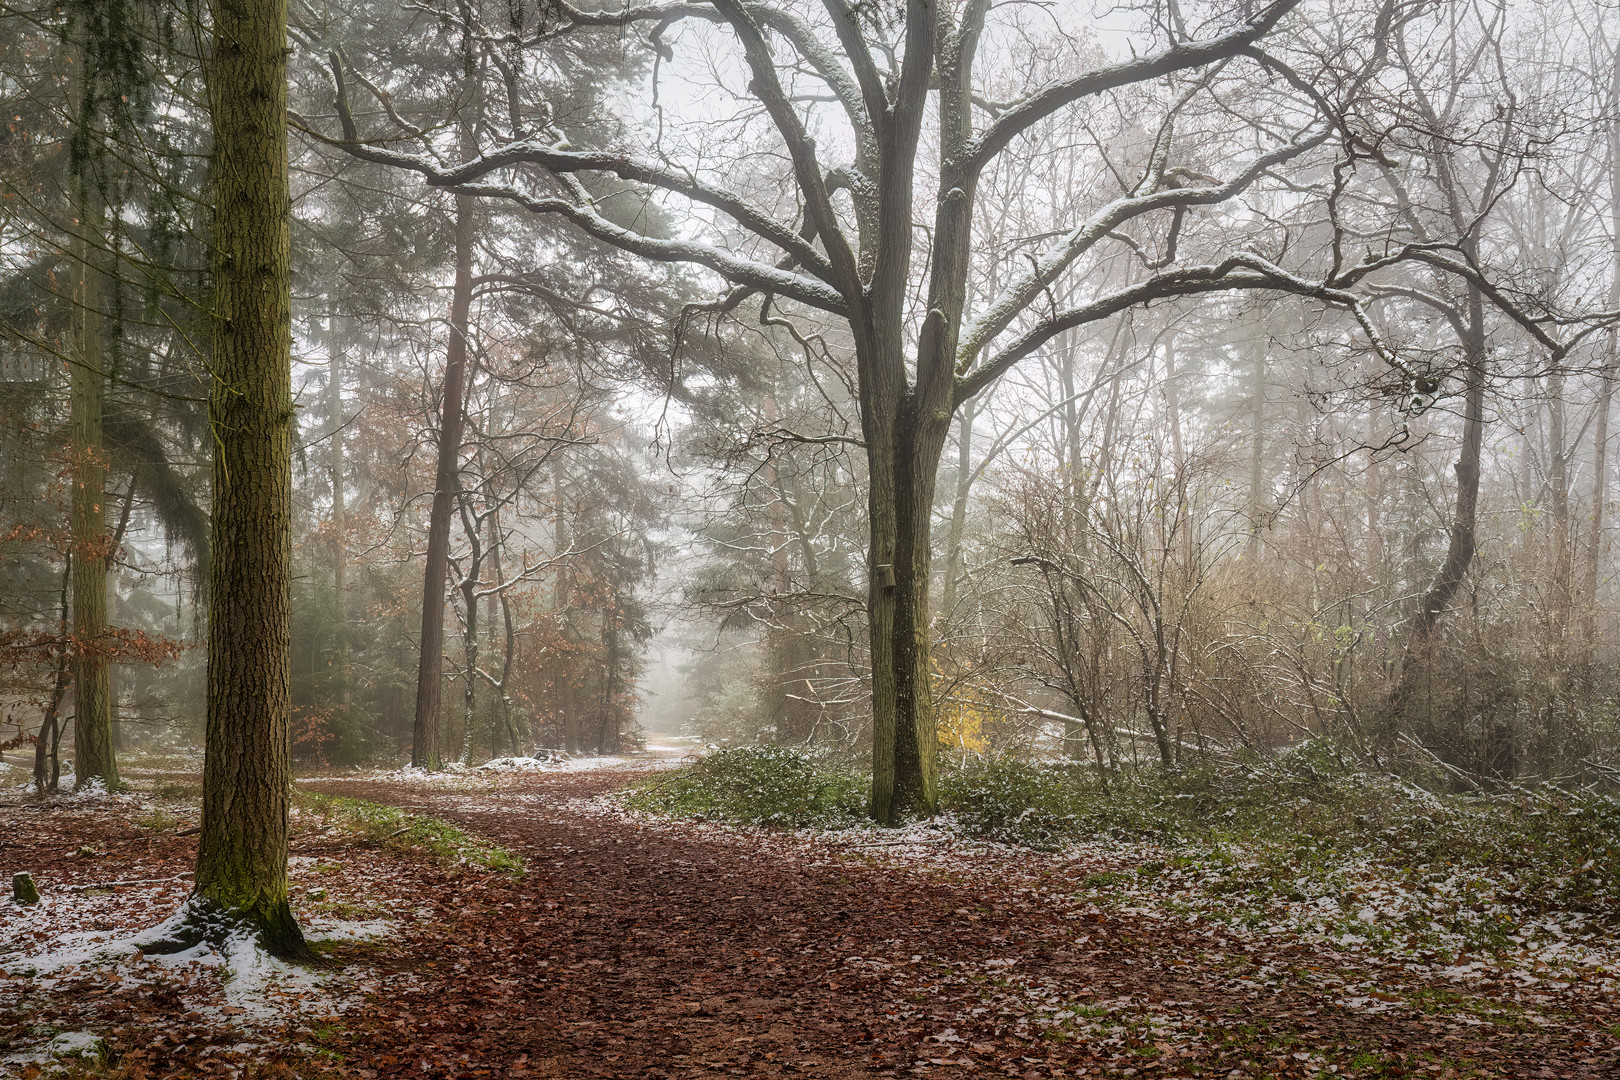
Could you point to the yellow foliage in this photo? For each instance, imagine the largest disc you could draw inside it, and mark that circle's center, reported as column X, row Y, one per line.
column 960, row 720
column 960, row 726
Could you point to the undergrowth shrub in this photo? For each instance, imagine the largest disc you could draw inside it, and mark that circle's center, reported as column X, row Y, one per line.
column 1305, row 826
column 761, row 785
column 1307, row 812
column 1013, row 800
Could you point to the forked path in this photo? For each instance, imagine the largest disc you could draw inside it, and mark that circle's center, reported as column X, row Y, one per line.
column 642, row 948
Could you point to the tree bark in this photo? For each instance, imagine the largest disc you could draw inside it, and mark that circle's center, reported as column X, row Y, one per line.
column 1563, row 568
column 337, row 342
column 427, row 751
column 241, row 876
column 1600, row 491
column 964, row 485
column 562, row 668
column 1460, row 548
column 94, row 759
column 1611, row 367
column 47, row 759
column 471, row 527
column 903, row 459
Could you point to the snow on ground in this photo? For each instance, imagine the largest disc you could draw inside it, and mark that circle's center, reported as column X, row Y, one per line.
column 83, row 935
column 1362, row 909
column 559, row 763
column 254, row 988
column 459, row 776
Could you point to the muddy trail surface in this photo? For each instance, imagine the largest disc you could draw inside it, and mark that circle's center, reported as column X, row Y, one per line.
column 637, row 947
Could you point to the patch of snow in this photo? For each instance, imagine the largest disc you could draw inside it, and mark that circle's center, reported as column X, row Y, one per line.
column 256, row 987
column 77, row 1044
column 346, row 929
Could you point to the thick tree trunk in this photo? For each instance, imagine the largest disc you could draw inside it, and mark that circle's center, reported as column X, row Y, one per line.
column 241, row 878
column 1611, row 368
column 427, row 751
column 1600, row 492
column 903, row 460
column 94, row 759
column 1563, row 568
column 469, row 638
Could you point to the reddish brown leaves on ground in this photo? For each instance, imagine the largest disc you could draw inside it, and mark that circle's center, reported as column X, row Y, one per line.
column 636, row 949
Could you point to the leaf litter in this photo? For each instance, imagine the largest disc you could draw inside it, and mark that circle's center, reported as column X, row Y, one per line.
column 635, row 945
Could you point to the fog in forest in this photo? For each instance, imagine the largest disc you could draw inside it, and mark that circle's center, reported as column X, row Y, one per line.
column 844, row 537
column 1266, row 403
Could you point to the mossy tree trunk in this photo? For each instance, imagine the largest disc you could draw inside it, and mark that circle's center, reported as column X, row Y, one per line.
column 241, row 880
column 905, row 438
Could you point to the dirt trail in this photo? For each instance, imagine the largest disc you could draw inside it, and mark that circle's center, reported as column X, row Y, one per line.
column 641, row 949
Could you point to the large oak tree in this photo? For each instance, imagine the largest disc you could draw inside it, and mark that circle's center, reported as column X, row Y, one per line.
column 885, row 133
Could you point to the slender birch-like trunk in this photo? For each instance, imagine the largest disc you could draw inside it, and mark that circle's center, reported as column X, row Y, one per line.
column 427, row 737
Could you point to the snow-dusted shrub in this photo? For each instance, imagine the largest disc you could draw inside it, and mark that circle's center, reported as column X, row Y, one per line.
column 1013, row 800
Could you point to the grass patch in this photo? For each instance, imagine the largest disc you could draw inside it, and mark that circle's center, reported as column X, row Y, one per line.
column 157, row 819
column 375, row 823
column 177, row 789
column 760, row 785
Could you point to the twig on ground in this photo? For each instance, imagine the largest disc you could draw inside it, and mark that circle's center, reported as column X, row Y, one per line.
column 120, row 884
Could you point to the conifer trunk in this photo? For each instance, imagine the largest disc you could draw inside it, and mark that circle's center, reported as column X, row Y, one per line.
column 241, row 879
column 93, row 756
column 47, row 762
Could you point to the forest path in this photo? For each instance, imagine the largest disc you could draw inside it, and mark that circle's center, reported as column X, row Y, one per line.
column 638, row 947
